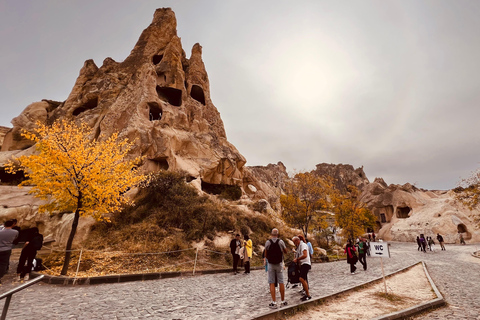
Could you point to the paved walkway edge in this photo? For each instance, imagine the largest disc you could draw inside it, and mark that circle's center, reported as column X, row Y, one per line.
column 430, row 305
column 437, row 302
column 126, row 277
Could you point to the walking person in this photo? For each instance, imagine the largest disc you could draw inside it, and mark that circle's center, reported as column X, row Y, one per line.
column 419, row 244
column 423, row 243
column 28, row 254
column 235, row 246
column 431, row 244
column 274, row 250
column 462, row 240
column 303, row 259
column 7, row 236
column 351, row 256
column 440, row 240
column 247, row 242
column 362, row 253
column 373, row 236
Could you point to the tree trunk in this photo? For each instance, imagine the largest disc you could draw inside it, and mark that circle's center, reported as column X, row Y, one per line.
column 70, row 241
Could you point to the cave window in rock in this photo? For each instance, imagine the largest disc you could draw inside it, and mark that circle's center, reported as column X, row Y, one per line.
column 197, row 93
column 383, row 218
column 154, row 111
column 157, row 58
column 171, row 95
column 223, row 190
column 89, row 105
column 402, row 212
column 161, row 163
column 11, row 179
column 461, row 228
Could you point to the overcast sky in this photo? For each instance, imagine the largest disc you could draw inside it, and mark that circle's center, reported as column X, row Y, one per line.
column 393, row 86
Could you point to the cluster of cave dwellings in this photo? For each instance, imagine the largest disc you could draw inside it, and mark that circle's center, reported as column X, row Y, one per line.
column 165, row 93
column 385, row 214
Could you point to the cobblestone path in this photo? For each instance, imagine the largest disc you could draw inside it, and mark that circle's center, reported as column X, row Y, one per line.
column 228, row 296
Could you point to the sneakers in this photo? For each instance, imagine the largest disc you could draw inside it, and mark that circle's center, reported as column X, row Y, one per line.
column 27, row 277
column 283, row 304
column 273, row 305
column 18, row 278
column 302, row 292
column 353, row 272
column 306, row 298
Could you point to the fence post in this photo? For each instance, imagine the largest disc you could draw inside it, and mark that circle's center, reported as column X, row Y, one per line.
column 78, row 266
column 195, row 264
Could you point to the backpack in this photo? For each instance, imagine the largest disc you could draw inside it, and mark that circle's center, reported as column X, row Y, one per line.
column 274, row 252
column 293, row 273
column 37, row 241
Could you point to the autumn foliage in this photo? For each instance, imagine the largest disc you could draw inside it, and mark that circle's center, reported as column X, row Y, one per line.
column 306, row 198
column 352, row 215
column 74, row 173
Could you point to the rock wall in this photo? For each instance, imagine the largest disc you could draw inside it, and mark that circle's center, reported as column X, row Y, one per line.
column 17, row 203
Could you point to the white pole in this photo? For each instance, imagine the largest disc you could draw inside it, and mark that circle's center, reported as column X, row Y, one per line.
column 383, row 274
column 195, row 264
column 78, row 266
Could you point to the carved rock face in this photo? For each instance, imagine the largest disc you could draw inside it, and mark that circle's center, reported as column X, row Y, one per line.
column 157, row 98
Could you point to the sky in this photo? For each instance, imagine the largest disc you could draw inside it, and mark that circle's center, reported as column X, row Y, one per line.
column 392, row 86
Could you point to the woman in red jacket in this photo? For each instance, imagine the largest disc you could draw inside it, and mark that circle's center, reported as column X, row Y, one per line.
column 351, row 256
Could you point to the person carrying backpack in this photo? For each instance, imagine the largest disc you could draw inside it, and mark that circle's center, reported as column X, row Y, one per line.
column 274, row 250
column 29, row 251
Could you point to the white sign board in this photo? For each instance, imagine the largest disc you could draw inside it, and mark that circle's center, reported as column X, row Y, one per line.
column 379, row 250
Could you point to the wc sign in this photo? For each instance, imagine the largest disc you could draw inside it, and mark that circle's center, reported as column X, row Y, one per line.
column 379, row 250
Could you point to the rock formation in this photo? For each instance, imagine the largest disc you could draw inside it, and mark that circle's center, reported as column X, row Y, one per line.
column 404, row 211
column 157, row 98
column 343, row 175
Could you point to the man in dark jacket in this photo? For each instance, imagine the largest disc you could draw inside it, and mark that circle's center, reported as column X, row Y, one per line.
column 28, row 254
column 235, row 246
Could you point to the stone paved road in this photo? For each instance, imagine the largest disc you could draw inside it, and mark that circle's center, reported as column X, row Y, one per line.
column 228, row 296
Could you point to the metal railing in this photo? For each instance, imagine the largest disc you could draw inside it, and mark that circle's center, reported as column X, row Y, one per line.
column 8, row 295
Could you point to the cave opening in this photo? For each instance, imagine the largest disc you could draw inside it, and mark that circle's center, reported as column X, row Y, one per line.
column 171, row 95
column 197, row 93
column 11, row 179
column 157, row 58
column 89, row 105
column 402, row 212
column 225, row 191
column 154, row 111
column 461, row 228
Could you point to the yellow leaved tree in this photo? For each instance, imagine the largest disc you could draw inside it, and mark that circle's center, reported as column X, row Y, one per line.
column 74, row 173
column 306, row 199
column 352, row 215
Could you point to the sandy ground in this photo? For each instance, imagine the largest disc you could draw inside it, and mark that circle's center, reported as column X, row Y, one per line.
column 411, row 287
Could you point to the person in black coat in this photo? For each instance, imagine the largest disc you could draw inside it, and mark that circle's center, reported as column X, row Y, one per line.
column 29, row 251
column 235, row 246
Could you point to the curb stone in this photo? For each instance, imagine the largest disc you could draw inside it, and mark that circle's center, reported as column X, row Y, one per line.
column 290, row 310
column 64, row 280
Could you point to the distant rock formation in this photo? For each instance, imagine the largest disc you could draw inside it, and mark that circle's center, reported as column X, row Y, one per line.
column 157, row 98
column 403, row 212
column 343, row 175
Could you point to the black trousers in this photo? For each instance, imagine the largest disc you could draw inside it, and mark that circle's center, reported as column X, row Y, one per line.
column 4, row 261
column 352, row 267
column 362, row 259
column 236, row 258
column 27, row 255
column 247, row 266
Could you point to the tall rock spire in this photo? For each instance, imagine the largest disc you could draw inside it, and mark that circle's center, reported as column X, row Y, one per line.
column 157, row 98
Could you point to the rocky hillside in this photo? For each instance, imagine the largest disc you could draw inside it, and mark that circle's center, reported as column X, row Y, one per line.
column 160, row 99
